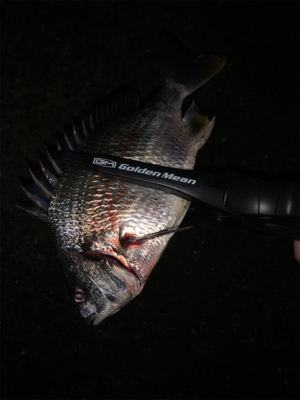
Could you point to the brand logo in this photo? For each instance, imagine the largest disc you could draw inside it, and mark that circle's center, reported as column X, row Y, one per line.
column 104, row 162
column 165, row 175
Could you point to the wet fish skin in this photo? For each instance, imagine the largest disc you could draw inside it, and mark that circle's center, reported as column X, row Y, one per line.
column 89, row 213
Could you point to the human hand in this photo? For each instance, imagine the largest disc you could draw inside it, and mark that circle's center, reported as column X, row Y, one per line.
column 297, row 250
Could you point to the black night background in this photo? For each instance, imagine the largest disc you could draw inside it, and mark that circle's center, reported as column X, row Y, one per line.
column 219, row 316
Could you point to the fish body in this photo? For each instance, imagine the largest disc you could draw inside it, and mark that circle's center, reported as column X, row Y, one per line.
column 94, row 219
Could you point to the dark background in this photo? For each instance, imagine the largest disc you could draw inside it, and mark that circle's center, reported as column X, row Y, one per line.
column 219, row 317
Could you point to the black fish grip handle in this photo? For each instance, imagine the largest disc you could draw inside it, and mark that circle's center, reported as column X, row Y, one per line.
column 272, row 207
column 238, row 199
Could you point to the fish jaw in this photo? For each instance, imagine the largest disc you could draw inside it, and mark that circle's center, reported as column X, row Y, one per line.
column 97, row 255
column 107, row 285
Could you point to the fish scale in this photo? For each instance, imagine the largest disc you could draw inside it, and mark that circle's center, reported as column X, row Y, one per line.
column 97, row 223
column 106, row 204
column 153, row 132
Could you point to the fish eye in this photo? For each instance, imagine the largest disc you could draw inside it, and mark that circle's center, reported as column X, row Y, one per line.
column 78, row 294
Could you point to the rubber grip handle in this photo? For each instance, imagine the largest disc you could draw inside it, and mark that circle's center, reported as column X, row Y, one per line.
column 251, row 196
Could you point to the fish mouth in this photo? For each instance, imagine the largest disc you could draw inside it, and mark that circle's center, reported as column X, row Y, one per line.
column 117, row 283
column 96, row 318
column 91, row 317
column 112, row 258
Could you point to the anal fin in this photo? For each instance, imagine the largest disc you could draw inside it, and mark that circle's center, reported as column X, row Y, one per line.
column 198, row 124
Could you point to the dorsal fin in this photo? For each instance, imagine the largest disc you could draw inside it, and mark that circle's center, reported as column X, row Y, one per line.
column 45, row 179
column 35, row 211
column 106, row 109
column 36, row 196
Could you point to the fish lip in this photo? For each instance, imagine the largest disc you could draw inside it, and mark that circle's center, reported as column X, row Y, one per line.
column 99, row 318
column 96, row 318
column 97, row 255
column 122, row 260
column 91, row 317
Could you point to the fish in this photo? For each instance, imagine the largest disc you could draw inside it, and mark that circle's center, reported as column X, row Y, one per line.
column 109, row 234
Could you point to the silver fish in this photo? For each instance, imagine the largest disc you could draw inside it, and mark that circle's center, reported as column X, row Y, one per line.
column 109, row 234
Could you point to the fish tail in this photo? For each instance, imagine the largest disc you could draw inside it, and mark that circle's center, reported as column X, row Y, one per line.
column 179, row 66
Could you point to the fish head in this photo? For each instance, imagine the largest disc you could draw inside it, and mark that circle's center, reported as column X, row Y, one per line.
column 101, row 284
column 105, row 275
column 108, row 251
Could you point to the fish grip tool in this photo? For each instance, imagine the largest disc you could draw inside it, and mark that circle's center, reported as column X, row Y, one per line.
column 234, row 198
